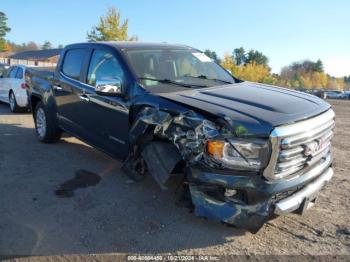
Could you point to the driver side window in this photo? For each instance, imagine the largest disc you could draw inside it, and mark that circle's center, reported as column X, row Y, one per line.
column 104, row 66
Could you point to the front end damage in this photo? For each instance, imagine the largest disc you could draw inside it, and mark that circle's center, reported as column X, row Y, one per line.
column 231, row 199
column 167, row 142
column 216, row 192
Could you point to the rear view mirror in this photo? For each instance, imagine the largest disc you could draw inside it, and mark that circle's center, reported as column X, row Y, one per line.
column 109, row 87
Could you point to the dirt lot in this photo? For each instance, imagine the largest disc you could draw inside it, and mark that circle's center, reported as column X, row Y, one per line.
column 117, row 216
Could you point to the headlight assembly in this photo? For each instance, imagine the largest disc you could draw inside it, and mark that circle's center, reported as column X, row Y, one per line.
column 240, row 154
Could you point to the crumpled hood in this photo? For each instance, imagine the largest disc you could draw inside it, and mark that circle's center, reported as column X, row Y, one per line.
column 258, row 107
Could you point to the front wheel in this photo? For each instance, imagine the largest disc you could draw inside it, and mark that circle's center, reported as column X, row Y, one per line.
column 46, row 127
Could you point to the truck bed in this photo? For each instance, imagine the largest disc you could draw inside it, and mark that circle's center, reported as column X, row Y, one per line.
column 42, row 72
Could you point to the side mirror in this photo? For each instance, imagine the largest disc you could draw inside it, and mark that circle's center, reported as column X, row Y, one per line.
column 109, row 87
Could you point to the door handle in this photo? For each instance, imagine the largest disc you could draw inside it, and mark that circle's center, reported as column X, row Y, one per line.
column 84, row 98
column 57, row 87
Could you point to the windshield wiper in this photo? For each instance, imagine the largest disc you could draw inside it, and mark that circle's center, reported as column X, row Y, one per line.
column 168, row 81
column 207, row 78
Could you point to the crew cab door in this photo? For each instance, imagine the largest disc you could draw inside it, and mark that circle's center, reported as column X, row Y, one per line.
column 107, row 117
column 67, row 88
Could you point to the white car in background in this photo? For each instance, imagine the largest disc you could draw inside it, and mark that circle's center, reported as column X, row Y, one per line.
column 13, row 88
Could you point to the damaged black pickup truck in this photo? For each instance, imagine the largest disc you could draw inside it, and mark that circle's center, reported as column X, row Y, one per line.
column 245, row 152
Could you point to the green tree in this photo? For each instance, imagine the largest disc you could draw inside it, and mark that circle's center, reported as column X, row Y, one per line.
column 2, row 45
column 318, row 66
column 239, row 56
column 110, row 28
column 4, row 29
column 257, row 57
column 308, row 66
column 60, row 46
column 347, row 80
column 213, row 55
column 47, row 45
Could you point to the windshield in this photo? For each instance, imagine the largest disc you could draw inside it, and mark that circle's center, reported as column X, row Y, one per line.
column 186, row 67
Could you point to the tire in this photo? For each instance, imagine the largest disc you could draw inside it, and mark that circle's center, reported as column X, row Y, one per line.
column 13, row 103
column 46, row 127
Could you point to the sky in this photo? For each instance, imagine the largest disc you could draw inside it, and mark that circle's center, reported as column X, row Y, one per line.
column 284, row 30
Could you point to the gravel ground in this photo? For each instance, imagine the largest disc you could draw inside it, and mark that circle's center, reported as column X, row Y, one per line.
column 116, row 216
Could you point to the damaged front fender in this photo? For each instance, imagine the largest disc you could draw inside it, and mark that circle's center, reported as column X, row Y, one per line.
column 188, row 131
column 186, row 134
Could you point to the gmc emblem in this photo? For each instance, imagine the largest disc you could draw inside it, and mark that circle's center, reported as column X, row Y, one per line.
column 314, row 147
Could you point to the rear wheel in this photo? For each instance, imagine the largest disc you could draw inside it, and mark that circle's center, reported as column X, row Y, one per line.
column 13, row 103
column 46, row 127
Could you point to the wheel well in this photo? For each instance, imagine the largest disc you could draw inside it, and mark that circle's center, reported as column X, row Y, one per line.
column 34, row 100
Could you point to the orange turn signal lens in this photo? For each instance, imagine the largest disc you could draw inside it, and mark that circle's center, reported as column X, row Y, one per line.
column 215, row 148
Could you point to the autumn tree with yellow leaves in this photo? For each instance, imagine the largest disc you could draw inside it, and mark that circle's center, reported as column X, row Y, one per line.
column 111, row 28
column 253, row 66
column 251, row 71
column 309, row 75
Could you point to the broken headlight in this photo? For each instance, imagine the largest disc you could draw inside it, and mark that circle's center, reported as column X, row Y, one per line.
column 240, row 154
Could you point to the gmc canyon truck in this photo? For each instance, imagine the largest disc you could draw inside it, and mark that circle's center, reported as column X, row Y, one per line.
column 244, row 152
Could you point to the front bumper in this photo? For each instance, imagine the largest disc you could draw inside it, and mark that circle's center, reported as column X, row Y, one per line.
column 309, row 192
column 257, row 199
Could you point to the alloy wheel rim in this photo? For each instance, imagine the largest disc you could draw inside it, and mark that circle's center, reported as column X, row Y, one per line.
column 41, row 122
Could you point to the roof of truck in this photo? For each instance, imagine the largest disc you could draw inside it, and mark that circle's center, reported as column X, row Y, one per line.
column 135, row 45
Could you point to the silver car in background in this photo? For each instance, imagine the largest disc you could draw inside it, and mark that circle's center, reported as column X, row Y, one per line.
column 336, row 95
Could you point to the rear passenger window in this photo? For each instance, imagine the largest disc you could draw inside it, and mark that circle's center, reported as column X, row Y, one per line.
column 73, row 62
column 12, row 73
column 19, row 73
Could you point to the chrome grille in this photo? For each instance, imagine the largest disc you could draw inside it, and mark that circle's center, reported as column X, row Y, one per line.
column 299, row 146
